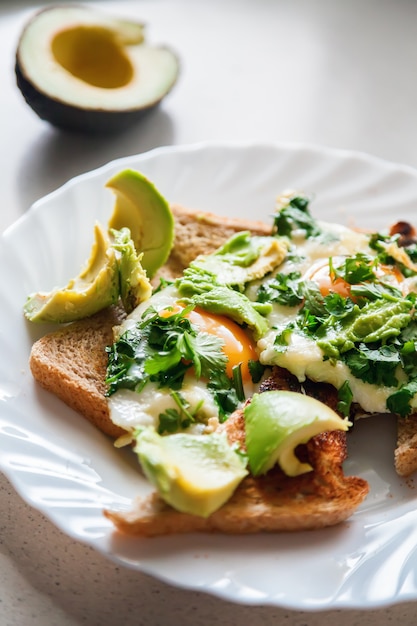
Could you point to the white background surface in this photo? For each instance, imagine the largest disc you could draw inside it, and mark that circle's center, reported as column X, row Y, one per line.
column 334, row 73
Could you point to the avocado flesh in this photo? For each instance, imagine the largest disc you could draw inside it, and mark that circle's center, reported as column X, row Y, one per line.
column 195, row 474
column 81, row 69
column 140, row 207
column 134, row 284
column 276, row 422
column 96, row 287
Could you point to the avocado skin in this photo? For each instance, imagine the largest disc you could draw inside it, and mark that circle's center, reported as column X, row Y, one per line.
column 69, row 117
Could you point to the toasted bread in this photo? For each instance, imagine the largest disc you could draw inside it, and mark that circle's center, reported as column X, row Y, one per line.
column 406, row 448
column 71, row 363
column 270, row 503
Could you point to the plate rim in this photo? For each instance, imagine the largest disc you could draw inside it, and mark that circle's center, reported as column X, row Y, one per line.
column 208, row 144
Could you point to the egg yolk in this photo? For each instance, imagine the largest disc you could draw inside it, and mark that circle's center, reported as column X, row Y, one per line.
column 237, row 346
column 328, row 282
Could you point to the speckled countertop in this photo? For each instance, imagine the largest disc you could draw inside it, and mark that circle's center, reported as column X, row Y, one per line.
column 348, row 81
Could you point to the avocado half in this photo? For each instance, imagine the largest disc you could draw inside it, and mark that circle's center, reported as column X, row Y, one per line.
column 81, row 69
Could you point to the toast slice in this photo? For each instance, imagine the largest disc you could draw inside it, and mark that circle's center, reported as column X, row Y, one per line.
column 271, row 503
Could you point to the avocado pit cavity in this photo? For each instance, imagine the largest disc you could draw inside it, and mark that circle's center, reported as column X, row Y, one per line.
column 93, row 55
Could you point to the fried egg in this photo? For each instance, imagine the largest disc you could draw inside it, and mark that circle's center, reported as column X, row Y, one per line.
column 314, row 259
column 131, row 410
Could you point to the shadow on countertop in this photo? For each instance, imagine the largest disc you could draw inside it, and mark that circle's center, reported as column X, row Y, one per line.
column 56, row 155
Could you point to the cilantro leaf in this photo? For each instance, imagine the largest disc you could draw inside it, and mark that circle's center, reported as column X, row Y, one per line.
column 313, row 298
column 399, row 401
column 296, row 215
column 409, row 333
column 345, row 398
column 337, row 306
column 411, row 250
column 283, row 289
column 408, row 349
column 374, row 365
column 206, row 354
column 356, row 269
column 128, row 352
column 256, row 370
column 161, row 350
column 309, row 323
column 281, row 339
column 224, row 393
column 375, row 291
column 173, row 420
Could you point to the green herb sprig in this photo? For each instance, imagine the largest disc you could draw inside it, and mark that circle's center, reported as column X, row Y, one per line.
column 161, row 350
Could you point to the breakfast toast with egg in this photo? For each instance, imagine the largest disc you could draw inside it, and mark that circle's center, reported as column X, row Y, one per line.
column 71, row 363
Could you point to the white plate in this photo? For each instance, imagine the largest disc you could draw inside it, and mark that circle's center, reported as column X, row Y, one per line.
column 65, row 468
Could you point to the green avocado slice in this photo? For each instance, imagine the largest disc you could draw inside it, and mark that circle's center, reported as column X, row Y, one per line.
column 141, row 208
column 96, row 287
column 276, row 422
column 193, row 473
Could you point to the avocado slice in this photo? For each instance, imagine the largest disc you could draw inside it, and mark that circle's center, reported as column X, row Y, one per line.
column 141, row 208
column 276, row 422
column 83, row 69
column 96, row 287
column 193, row 473
column 118, row 266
